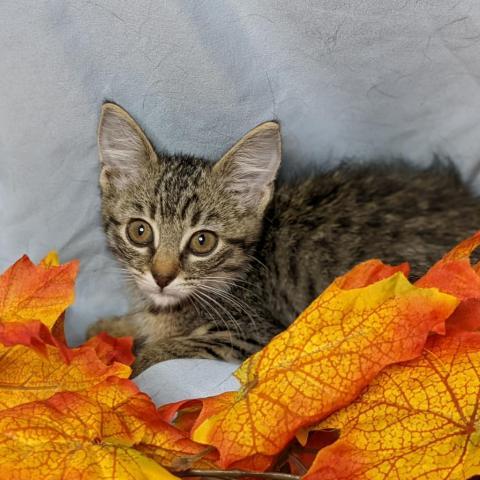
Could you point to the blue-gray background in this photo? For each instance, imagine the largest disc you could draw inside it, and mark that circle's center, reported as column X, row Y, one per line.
column 345, row 77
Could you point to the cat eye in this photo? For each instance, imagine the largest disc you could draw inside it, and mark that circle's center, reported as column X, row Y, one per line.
column 140, row 233
column 203, row 242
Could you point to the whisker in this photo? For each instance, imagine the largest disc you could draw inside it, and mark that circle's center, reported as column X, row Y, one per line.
column 232, row 284
column 205, row 301
column 242, row 307
column 227, row 295
column 229, row 315
column 207, row 298
column 208, row 306
column 252, row 257
column 229, row 300
column 235, row 280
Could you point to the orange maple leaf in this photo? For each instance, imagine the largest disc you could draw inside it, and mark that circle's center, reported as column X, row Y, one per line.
column 300, row 455
column 34, row 334
column 78, row 435
column 173, row 448
column 72, row 416
column 28, row 374
column 183, row 414
column 454, row 273
column 158, row 439
column 34, row 364
column 70, row 412
column 36, row 292
column 320, row 363
column 418, row 419
column 112, row 349
column 369, row 272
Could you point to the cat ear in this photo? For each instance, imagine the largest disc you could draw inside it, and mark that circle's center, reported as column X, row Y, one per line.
column 249, row 168
column 124, row 148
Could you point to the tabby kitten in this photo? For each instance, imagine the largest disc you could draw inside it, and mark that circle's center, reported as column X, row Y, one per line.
column 221, row 261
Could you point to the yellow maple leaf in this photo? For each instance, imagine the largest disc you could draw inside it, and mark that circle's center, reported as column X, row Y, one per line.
column 27, row 374
column 419, row 419
column 50, row 260
column 320, row 363
column 77, row 435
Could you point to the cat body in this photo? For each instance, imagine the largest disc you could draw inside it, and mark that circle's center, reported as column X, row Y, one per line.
column 221, row 261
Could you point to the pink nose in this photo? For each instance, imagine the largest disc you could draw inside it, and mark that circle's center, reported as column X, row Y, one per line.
column 163, row 280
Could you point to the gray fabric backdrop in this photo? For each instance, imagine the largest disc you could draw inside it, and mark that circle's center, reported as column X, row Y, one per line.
column 345, row 77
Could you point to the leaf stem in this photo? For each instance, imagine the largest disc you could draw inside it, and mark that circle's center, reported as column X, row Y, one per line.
column 234, row 474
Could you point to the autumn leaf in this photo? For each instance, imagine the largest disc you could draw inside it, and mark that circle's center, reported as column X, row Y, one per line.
column 112, row 349
column 78, row 435
column 110, row 431
column 165, row 443
column 320, row 364
column 465, row 318
column 34, row 334
column 91, row 395
column 174, row 449
column 30, row 292
column 34, row 362
column 418, row 419
column 50, row 260
column 58, row 329
column 369, row 272
column 182, row 414
column 301, row 455
column 255, row 463
column 27, row 374
column 70, row 412
column 454, row 273
column 168, row 445
column 169, row 411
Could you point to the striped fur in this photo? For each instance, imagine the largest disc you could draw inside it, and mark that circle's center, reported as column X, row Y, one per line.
column 275, row 254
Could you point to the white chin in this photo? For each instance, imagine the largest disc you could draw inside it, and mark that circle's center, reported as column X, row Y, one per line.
column 165, row 299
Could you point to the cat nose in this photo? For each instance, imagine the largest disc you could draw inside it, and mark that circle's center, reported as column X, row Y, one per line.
column 163, row 280
column 164, row 271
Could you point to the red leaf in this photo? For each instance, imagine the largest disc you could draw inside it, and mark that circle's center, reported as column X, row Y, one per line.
column 112, row 349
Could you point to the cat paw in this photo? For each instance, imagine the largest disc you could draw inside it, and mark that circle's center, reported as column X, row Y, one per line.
column 141, row 363
column 112, row 325
column 148, row 355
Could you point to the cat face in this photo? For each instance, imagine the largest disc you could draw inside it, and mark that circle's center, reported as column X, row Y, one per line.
column 184, row 229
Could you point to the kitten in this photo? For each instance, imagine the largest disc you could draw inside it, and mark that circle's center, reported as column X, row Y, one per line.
column 222, row 261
